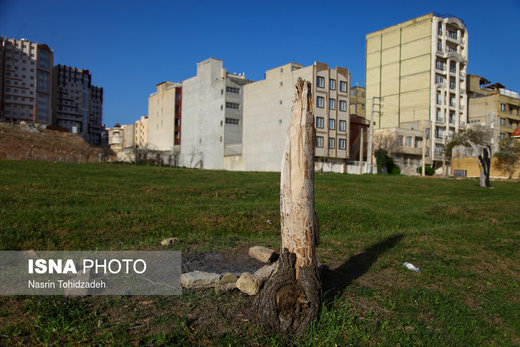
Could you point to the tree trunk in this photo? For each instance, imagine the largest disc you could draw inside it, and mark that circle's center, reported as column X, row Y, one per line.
column 291, row 297
column 485, row 166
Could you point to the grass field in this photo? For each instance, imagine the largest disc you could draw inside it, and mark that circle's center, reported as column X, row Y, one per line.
column 465, row 239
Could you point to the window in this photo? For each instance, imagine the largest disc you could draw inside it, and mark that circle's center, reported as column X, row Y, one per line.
column 353, row 92
column 502, row 136
column 453, row 67
column 232, row 105
column 233, row 90
column 400, row 140
column 502, row 121
column 342, row 125
column 319, row 122
column 439, row 99
column 321, row 82
column 343, row 86
column 319, row 141
column 428, row 131
column 439, row 79
column 408, row 141
column 332, row 142
column 320, row 102
column 439, row 29
column 332, row 84
column 439, row 65
column 502, row 107
column 452, row 118
column 439, row 46
column 332, row 104
column 452, row 101
column 332, row 124
column 232, row 121
column 438, row 117
column 452, row 34
column 342, row 144
column 342, row 105
column 452, row 84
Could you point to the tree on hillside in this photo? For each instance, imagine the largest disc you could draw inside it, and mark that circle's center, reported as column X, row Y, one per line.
column 386, row 142
column 508, row 156
column 479, row 138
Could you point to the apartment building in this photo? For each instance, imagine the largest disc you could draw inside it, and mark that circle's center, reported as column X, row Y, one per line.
column 141, row 132
column 25, row 81
column 116, row 137
column 77, row 104
column 358, row 101
column 212, row 106
column 493, row 102
column 267, row 112
column 417, row 71
column 164, row 117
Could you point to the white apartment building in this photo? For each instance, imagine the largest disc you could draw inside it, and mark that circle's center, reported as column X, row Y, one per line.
column 417, row 71
column 25, row 81
column 141, row 132
column 267, row 113
column 164, row 116
column 212, row 106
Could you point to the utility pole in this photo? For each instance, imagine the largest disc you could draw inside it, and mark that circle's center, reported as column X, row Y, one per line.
column 361, row 141
column 444, row 171
column 371, row 129
column 423, row 164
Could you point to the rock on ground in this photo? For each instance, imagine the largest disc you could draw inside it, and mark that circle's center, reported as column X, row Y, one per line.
column 264, row 254
column 169, row 241
column 226, row 283
column 265, row 271
column 199, row 279
column 249, row 284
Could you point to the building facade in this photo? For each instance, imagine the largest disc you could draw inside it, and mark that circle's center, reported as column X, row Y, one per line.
column 25, row 81
column 493, row 102
column 357, row 101
column 417, row 71
column 141, row 132
column 267, row 112
column 164, row 117
column 212, row 106
column 77, row 104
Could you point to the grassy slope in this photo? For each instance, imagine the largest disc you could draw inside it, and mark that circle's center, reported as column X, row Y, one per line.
column 464, row 238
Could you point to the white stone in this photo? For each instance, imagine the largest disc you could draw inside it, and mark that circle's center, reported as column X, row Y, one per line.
column 249, row 284
column 169, row 241
column 265, row 271
column 261, row 253
column 199, row 279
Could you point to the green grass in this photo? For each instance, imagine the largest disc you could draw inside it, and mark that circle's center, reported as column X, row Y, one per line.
column 464, row 238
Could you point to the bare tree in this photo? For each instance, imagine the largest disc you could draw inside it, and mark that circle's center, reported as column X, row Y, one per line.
column 508, row 156
column 479, row 138
column 387, row 142
column 291, row 297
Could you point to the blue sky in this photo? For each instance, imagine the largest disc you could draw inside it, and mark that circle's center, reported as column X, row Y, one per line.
column 130, row 46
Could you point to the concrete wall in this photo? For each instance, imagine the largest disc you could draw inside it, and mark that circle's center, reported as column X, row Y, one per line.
column 203, row 116
column 471, row 165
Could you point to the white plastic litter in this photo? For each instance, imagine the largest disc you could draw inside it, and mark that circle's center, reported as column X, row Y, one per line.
column 410, row 266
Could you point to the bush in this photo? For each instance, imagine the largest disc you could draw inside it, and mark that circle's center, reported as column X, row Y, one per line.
column 385, row 164
column 396, row 170
column 428, row 170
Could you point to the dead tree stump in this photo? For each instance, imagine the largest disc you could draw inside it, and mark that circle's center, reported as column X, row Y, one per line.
column 291, row 297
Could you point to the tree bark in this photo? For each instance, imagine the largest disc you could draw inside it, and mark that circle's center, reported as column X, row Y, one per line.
column 485, row 167
column 291, row 297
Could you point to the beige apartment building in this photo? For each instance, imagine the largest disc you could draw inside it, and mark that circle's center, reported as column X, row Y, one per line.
column 212, row 106
column 358, row 101
column 164, row 116
column 141, row 132
column 417, row 71
column 267, row 112
column 493, row 103
column 77, row 104
column 25, row 81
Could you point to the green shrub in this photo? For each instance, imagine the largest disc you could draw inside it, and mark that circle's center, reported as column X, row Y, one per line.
column 428, row 170
column 396, row 170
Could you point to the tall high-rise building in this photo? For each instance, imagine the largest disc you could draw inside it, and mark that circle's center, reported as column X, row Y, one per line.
column 267, row 113
column 417, row 71
column 77, row 104
column 25, row 81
